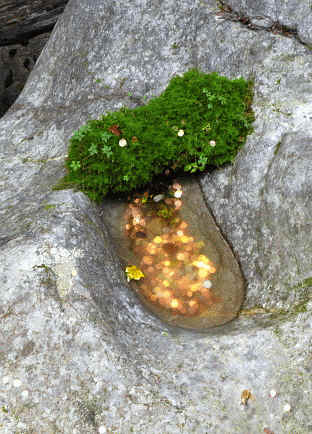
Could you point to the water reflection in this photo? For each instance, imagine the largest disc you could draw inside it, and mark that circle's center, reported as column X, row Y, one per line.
column 178, row 276
column 179, row 264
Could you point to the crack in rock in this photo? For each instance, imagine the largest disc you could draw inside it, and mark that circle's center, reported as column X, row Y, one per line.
column 258, row 22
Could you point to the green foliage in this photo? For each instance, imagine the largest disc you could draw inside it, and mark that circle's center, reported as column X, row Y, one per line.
column 200, row 120
column 164, row 211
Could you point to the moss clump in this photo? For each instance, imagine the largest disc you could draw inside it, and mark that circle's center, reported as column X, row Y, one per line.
column 306, row 283
column 200, row 120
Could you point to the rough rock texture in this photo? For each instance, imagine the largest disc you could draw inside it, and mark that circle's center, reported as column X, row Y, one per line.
column 25, row 27
column 21, row 20
column 16, row 62
column 78, row 353
column 295, row 15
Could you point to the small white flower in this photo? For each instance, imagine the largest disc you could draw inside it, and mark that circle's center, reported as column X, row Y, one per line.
column 178, row 194
column 212, row 143
column 17, row 383
column 207, row 284
column 74, row 273
column 180, row 133
column 122, row 143
column 273, row 393
column 158, row 197
column 102, row 429
column 286, row 408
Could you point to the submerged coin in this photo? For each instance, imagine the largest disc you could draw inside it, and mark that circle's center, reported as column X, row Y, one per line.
column 191, row 277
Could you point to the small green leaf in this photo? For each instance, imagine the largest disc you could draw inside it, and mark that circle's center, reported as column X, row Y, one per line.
column 105, row 136
column 93, row 149
column 75, row 165
column 107, row 151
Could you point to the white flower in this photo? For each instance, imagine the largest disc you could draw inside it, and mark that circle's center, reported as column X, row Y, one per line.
column 212, row 143
column 180, row 133
column 207, row 284
column 122, row 143
column 273, row 393
column 178, row 194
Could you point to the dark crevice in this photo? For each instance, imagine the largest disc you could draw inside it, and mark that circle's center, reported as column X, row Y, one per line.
column 5, row 240
column 227, row 13
column 24, row 38
column 12, row 52
column 9, row 79
column 27, row 64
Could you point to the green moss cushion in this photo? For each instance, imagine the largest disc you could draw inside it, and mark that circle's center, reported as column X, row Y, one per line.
column 200, row 120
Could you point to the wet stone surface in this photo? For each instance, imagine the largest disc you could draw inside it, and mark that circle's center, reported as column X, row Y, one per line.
column 176, row 258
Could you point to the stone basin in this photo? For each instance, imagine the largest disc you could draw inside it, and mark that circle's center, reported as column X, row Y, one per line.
column 191, row 277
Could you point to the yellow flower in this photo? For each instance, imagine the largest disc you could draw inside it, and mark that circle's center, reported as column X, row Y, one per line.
column 134, row 272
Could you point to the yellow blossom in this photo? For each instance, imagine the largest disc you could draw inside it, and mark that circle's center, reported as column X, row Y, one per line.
column 133, row 272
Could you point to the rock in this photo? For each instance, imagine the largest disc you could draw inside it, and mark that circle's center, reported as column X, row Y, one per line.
column 21, row 21
column 25, row 28
column 72, row 332
column 294, row 15
column 16, row 63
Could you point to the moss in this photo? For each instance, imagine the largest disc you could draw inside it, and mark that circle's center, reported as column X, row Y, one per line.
column 256, row 310
column 300, row 307
column 31, row 160
column 49, row 206
column 199, row 121
column 277, row 109
column 306, row 283
column 277, row 147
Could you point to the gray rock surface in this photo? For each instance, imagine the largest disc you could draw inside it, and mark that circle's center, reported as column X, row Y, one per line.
column 294, row 14
column 79, row 353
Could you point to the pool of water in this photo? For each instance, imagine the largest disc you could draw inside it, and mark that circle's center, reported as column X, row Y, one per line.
column 178, row 263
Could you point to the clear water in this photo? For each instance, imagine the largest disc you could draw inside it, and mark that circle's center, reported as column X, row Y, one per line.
column 191, row 278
